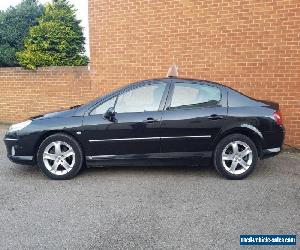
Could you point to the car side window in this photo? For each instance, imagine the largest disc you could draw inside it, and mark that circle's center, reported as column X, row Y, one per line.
column 141, row 99
column 103, row 107
column 194, row 94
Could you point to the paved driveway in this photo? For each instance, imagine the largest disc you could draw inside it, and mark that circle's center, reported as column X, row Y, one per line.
column 146, row 207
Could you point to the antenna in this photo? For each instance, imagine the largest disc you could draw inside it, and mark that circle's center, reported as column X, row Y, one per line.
column 173, row 71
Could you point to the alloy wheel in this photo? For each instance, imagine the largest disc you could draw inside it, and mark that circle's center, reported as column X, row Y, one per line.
column 237, row 157
column 59, row 157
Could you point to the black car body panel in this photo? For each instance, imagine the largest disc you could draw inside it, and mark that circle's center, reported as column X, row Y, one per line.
column 185, row 135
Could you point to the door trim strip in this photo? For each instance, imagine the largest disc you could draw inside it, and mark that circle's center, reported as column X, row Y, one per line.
column 152, row 138
column 10, row 139
column 127, row 139
column 187, row 136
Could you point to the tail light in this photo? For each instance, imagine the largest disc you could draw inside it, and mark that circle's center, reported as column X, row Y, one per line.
column 278, row 117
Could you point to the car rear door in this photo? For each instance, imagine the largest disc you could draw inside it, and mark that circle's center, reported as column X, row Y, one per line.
column 195, row 112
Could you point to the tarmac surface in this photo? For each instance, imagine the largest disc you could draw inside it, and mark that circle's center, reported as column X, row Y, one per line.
column 147, row 207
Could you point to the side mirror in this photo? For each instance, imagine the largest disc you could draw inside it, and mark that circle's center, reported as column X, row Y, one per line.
column 110, row 114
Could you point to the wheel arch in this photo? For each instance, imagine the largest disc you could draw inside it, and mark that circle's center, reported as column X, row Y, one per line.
column 250, row 131
column 53, row 132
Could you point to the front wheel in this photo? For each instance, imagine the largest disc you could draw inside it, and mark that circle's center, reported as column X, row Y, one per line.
column 60, row 157
column 235, row 156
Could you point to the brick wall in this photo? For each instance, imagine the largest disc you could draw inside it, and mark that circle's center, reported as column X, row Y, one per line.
column 27, row 93
column 253, row 46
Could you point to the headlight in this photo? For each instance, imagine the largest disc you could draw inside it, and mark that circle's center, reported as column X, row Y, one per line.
column 19, row 126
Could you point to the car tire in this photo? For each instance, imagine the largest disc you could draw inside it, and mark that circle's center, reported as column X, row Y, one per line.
column 60, row 157
column 235, row 156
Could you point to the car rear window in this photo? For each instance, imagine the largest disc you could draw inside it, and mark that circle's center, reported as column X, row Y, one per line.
column 194, row 94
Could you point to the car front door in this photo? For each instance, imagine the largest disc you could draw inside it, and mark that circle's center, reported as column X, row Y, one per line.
column 195, row 113
column 134, row 130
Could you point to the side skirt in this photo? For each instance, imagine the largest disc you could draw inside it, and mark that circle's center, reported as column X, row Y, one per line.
column 157, row 159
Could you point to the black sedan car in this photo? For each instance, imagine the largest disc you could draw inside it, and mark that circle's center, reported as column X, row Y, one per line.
column 157, row 122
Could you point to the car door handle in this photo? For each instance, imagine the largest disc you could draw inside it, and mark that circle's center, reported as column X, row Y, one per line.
column 150, row 120
column 215, row 117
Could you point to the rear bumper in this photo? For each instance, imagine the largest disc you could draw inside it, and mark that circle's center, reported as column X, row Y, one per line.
column 273, row 141
column 274, row 138
column 270, row 152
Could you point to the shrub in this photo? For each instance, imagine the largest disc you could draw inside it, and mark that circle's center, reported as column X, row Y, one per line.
column 56, row 40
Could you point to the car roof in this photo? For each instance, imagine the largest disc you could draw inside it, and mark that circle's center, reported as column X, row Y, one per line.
column 186, row 79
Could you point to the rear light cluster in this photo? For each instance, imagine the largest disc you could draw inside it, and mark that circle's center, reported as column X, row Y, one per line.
column 278, row 117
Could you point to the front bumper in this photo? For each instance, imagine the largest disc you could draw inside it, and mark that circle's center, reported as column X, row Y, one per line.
column 15, row 152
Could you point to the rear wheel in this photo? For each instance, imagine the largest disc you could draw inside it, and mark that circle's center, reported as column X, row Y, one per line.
column 60, row 157
column 235, row 156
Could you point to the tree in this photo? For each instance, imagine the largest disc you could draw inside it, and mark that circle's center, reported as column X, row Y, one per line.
column 56, row 40
column 14, row 26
